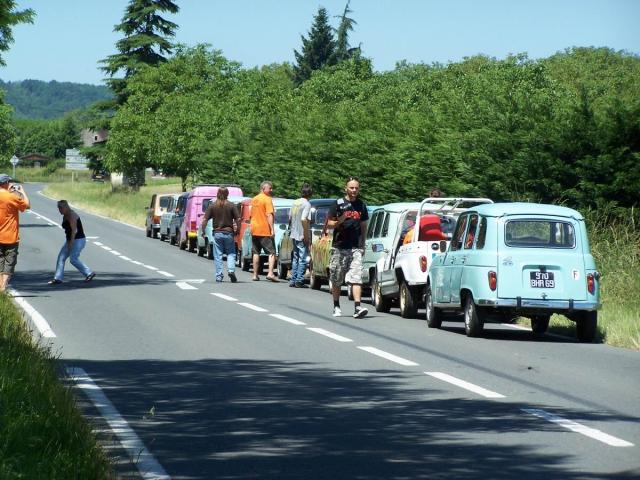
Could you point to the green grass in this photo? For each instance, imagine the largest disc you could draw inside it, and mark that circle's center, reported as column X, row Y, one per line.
column 43, row 436
column 51, row 173
column 124, row 205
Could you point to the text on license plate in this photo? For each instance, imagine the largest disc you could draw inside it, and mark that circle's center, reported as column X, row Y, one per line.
column 542, row 280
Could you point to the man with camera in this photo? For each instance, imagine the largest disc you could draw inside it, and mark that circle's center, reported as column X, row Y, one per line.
column 13, row 200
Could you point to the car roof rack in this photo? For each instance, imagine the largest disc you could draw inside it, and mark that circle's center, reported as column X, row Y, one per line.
column 450, row 204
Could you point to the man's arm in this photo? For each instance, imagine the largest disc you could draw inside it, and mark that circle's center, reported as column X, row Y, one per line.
column 363, row 232
column 73, row 224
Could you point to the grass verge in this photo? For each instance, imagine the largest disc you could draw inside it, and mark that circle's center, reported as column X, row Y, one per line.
column 43, row 434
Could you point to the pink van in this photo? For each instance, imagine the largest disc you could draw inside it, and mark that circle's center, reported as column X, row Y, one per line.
column 196, row 204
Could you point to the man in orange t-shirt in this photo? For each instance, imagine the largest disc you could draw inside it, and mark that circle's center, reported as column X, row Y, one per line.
column 13, row 200
column 262, row 229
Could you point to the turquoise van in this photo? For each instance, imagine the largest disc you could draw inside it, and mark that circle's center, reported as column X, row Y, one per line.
column 508, row 260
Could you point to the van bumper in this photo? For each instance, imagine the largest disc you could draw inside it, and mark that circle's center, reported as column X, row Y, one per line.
column 535, row 303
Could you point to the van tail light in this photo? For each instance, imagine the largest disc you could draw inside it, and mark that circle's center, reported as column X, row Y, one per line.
column 591, row 283
column 493, row 280
column 193, row 226
column 423, row 263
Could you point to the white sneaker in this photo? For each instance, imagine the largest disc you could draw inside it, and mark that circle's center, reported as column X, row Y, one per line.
column 337, row 312
column 360, row 312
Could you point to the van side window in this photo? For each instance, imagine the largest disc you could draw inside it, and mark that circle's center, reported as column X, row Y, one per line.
column 385, row 225
column 471, row 231
column 458, row 234
column 379, row 223
column 482, row 233
column 372, row 224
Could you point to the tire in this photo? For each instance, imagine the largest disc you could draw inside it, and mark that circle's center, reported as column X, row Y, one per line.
column 587, row 327
column 473, row 320
column 172, row 240
column 163, row 237
column 434, row 319
column 408, row 308
column 540, row 324
column 147, row 232
column 210, row 251
column 154, row 233
column 381, row 303
column 181, row 244
column 246, row 264
column 314, row 281
column 192, row 244
column 282, row 270
column 202, row 251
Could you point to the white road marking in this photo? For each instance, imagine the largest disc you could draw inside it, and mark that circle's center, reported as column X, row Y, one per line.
column 38, row 320
column 92, row 238
column 466, row 385
column 389, row 356
column 135, row 262
column 185, row 286
column 329, row 334
column 46, row 219
column 98, row 243
column 108, row 249
column 151, row 268
column 147, row 465
column 193, row 280
column 224, row 297
column 116, row 252
column 286, row 319
column 579, row 428
column 255, row 308
column 125, row 258
column 166, row 274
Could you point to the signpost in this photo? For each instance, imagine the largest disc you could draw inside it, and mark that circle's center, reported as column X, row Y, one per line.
column 14, row 161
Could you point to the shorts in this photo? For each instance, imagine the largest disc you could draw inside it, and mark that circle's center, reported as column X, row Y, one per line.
column 346, row 265
column 8, row 258
column 259, row 243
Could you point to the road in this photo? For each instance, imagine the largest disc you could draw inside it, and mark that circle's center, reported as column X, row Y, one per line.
column 257, row 380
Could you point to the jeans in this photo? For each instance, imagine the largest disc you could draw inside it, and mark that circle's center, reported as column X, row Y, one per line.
column 223, row 244
column 298, row 261
column 76, row 247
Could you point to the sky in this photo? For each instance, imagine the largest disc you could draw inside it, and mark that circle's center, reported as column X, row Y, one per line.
column 69, row 37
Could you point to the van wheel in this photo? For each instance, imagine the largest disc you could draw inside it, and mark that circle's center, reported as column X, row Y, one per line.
column 473, row 320
column 192, row 243
column 432, row 314
column 381, row 303
column 202, row 251
column 540, row 324
column 587, row 327
column 314, row 281
column 148, row 232
column 154, row 233
column 246, row 264
column 172, row 240
column 181, row 244
column 408, row 307
column 282, row 270
column 163, row 237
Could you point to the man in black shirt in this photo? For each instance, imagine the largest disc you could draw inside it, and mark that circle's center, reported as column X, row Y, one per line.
column 348, row 218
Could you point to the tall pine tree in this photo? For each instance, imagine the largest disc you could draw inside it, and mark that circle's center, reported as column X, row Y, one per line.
column 343, row 52
column 318, row 51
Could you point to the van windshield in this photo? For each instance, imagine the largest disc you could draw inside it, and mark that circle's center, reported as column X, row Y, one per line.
column 164, row 202
column 281, row 215
column 205, row 203
column 321, row 215
column 539, row 233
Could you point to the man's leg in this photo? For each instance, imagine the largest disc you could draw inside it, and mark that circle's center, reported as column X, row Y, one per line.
column 272, row 264
column 4, row 281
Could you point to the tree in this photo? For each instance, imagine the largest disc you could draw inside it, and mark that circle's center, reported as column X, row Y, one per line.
column 8, row 18
column 318, row 51
column 145, row 42
column 343, row 52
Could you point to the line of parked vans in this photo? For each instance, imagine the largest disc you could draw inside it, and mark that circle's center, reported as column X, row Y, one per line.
column 464, row 258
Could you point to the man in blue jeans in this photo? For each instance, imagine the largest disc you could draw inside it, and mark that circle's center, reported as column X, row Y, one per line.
column 300, row 220
column 225, row 221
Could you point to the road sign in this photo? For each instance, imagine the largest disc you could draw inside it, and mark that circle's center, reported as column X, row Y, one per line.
column 14, row 160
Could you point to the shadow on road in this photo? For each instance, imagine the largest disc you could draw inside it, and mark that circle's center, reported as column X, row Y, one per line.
column 229, row 419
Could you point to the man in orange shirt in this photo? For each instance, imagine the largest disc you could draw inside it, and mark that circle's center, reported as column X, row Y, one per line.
column 13, row 200
column 262, row 229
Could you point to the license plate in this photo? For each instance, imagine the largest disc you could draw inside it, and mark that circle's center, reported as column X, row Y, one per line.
column 542, row 280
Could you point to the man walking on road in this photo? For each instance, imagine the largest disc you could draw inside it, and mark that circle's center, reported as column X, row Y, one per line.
column 262, row 230
column 300, row 220
column 74, row 244
column 13, row 200
column 225, row 220
column 348, row 217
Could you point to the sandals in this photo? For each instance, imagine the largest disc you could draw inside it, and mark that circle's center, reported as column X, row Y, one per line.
column 55, row 281
column 272, row 279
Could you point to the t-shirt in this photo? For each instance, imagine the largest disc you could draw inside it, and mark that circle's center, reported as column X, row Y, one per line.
column 67, row 229
column 300, row 210
column 10, row 206
column 223, row 216
column 261, row 206
column 348, row 235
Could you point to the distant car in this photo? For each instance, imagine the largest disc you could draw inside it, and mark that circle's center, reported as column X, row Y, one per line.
column 282, row 207
column 177, row 219
column 190, row 226
column 319, row 209
column 205, row 244
column 165, row 219
column 100, row 175
column 158, row 206
column 516, row 259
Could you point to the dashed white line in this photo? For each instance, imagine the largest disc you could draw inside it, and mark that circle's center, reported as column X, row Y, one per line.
column 38, row 320
column 579, row 428
column 255, row 308
column 286, row 319
column 224, row 297
column 115, row 252
column 123, row 257
column 329, row 334
column 135, row 262
column 108, row 249
column 147, row 465
column 155, row 269
column 166, row 274
column 466, row 385
column 389, row 356
column 98, row 243
column 185, row 286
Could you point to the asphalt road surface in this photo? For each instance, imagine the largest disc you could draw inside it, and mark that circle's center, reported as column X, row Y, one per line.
column 255, row 380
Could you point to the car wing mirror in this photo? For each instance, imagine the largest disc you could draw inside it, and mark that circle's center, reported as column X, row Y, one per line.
column 377, row 247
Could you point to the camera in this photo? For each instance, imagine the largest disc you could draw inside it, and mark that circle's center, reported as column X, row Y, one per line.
column 14, row 188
